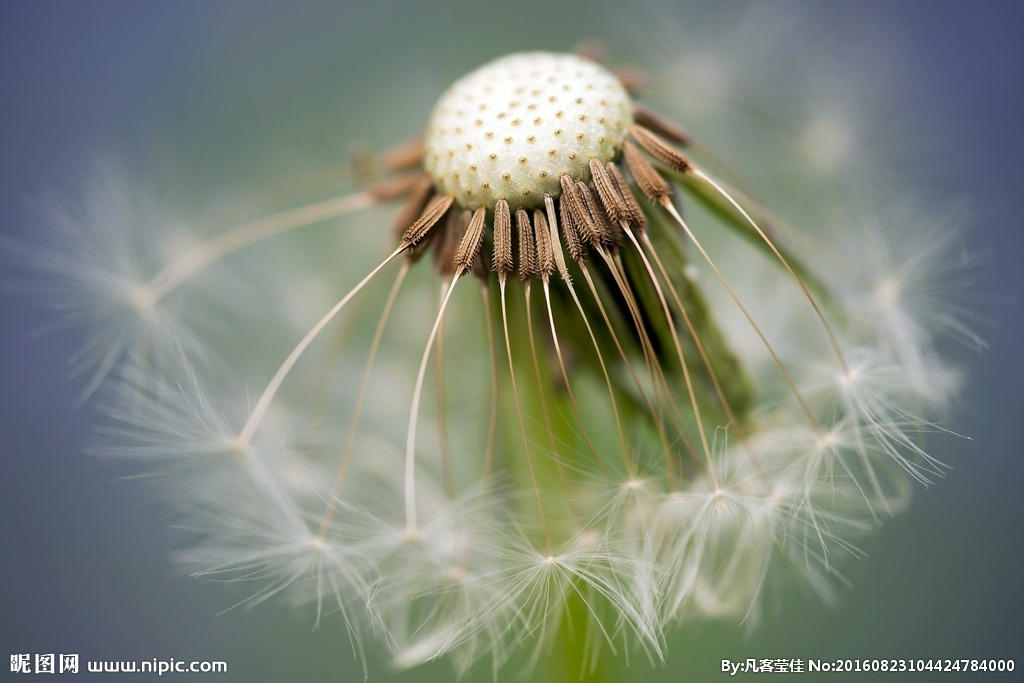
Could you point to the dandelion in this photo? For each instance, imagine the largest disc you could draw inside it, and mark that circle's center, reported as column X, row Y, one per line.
column 659, row 393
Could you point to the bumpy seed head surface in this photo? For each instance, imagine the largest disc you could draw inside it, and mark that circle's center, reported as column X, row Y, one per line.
column 509, row 129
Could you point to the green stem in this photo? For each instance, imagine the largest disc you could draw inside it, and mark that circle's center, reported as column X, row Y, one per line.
column 567, row 660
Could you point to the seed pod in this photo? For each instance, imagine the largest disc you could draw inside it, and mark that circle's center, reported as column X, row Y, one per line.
column 634, row 214
column 656, row 123
column 473, row 237
column 449, row 233
column 413, row 207
column 435, row 210
column 660, row 149
column 542, row 238
column 647, row 178
column 527, row 248
column 607, row 235
column 607, row 192
column 584, row 222
column 404, row 156
column 396, row 187
column 502, row 239
column 573, row 243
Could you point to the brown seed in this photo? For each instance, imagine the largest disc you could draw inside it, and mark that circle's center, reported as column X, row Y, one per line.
column 502, row 239
column 634, row 214
column 607, row 236
column 632, row 79
column 396, row 187
column 573, row 243
column 413, row 207
column 527, row 248
column 670, row 130
column 449, row 233
column 362, row 162
column 590, row 49
column 404, row 156
column 435, row 210
column 658, row 148
column 469, row 247
column 581, row 217
column 416, row 252
column 607, row 192
column 479, row 266
column 647, row 178
column 542, row 237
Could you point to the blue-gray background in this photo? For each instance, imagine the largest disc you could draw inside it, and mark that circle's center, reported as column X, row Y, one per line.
column 85, row 557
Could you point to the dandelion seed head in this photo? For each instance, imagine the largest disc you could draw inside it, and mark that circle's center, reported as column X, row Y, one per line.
column 653, row 410
column 509, row 129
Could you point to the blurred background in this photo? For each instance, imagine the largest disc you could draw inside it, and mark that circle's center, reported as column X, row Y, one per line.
column 201, row 90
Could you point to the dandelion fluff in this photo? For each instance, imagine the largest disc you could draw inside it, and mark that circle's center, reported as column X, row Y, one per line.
column 610, row 373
